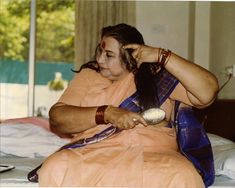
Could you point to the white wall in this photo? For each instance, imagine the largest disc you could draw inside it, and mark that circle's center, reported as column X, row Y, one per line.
column 223, row 44
column 203, row 32
column 164, row 24
column 183, row 27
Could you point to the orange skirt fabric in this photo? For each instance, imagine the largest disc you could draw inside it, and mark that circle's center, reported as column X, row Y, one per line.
column 138, row 157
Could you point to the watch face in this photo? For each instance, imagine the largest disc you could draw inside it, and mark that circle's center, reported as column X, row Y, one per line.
column 4, row 168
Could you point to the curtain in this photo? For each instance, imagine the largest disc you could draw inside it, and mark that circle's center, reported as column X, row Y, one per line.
column 91, row 16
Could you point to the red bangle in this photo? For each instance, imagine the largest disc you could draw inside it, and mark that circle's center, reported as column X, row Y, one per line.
column 159, row 54
column 164, row 57
column 99, row 115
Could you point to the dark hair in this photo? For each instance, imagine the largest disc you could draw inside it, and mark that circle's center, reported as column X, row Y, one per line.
column 144, row 75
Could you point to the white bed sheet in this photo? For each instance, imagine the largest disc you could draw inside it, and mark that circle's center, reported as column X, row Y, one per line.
column 17, row 177
column 223, row 182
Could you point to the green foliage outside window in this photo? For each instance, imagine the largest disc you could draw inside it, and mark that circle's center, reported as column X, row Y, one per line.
column 55, row 20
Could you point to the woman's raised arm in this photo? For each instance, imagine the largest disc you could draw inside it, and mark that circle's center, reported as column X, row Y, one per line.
column 200, row 84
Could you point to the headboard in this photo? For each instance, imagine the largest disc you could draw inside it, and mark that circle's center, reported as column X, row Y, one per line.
column 219, row 118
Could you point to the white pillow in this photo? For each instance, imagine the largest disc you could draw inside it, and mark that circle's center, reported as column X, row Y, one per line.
column 28, row 140
column 224, row 155
column 218, row 140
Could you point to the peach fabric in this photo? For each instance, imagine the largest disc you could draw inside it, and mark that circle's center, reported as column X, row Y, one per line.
column 89, row 88
column 139, row 157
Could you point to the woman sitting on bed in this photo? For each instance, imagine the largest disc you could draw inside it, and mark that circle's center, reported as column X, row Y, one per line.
column 126, row 78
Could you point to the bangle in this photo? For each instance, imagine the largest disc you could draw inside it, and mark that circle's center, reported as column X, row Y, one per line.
column 159, row 54
column 99, row 115
column 164, row 57
column 167, row 58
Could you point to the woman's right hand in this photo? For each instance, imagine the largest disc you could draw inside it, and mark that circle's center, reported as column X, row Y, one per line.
column 143, row 53
column 122, row 118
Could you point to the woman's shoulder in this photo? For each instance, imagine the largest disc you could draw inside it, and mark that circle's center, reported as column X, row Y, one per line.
column 88, row 72
column 91, row 76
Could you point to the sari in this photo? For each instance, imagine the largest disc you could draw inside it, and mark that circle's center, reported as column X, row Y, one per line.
column 138, row 157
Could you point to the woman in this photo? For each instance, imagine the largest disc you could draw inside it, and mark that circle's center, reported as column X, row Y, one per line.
column 126, row 78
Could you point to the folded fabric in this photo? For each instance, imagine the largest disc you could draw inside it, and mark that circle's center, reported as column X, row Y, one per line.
column 28, row 140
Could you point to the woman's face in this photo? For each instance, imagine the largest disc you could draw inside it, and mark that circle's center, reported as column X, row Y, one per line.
column 109, row 60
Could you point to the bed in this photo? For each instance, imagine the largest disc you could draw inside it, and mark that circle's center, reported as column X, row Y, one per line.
column 25, row 143
column 35, row 142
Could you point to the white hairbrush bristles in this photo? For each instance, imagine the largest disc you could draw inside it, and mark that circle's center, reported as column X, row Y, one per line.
column 153, row 115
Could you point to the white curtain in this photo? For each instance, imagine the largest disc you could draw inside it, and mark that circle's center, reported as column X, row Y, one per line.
column 91, row 16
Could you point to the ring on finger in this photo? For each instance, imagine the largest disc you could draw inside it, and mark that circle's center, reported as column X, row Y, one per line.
column 135, row 121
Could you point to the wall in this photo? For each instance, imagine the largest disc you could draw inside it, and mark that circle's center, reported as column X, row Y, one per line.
column 164, row 24
column 223, row 44
column 203, row 32
column 183, row 27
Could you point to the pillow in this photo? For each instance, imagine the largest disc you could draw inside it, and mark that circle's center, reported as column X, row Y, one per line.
column 38, row 121
column 218, row 140
column 28, row 140
column 224, row 155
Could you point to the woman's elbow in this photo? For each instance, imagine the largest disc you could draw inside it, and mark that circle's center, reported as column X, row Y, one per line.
column 56, row 122
column 213, row 89
column 210, row 93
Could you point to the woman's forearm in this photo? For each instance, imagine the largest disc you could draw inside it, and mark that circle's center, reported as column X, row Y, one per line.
column 201, row 85
column 71, row 119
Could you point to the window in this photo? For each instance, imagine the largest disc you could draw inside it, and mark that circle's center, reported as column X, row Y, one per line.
column 55, row 22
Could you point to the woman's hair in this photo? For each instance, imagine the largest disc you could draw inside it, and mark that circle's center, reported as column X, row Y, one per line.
column 144, row 75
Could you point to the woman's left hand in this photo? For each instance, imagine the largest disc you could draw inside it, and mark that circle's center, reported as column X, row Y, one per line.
column 143, row 53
